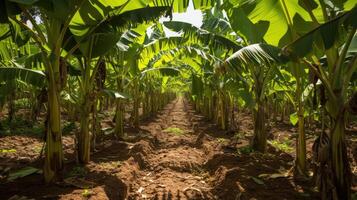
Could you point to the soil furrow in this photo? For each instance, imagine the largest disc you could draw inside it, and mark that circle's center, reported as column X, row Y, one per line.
column 174, row 170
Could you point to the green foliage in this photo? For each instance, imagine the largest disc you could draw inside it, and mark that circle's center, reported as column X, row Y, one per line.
column 22, row 173
column 245, row 150
column 111, row 164
column 174, row 131
column 7, row 150
column 68, row 128
column 86, row 193
column 328, row 32
column 284, row 145
column 22, row 103
column 257, row 180
column 294, row 117
column 77, row 171
column 34, row 77
column 21, row 126
column 238, row 135
column 222, row 140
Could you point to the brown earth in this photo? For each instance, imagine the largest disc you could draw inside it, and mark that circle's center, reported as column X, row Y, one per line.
column 196, row 160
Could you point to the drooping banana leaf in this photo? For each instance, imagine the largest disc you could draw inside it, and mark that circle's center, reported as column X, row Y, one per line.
column 33, row 77
column 256, row 54
column 97, row 39
column 164, row 71
column 279, row 20
column 205, row 37
column 115, row 94
column 181, row 5
column 328, row 31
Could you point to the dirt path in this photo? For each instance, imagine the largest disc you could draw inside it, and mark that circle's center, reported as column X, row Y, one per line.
column 173, row 167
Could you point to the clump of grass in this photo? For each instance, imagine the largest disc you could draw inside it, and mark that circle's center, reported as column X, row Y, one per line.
column 238, row 136
column 174, row 131
column 86, row 193
column 110, row 165
column 282, row 145
column 77, row 171
column 222, row 140
column 20, row 126
column 245, row 150
column 7, row 150
column 37, row 149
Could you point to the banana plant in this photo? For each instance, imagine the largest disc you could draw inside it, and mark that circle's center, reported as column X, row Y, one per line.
column 257, row 62
column 335, row 72
column 99, row 44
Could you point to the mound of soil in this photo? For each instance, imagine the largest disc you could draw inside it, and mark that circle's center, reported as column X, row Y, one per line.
column 143, row 147
column 221, row 159
column 140, row 152
column 226, row 184
column 171, row 158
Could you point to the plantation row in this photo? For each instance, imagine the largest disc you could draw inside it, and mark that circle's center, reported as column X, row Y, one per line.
column 283, row 59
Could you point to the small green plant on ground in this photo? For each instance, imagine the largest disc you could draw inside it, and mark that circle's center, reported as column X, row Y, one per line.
column 174, row 131
column 111, row 164
column 37, row 149
column 7, row 150
column 77, row 171
column 282, row 145
column 222, row 140
column 245, row 150
column 238, row 135
column 86, row 193
column 20, row 126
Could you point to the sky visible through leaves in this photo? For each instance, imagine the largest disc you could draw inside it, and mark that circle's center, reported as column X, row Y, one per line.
column 191, row 16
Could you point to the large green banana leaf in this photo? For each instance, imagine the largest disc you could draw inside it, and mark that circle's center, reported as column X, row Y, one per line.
column 115, row 94
column 256, row 55
column 107, row 33
column 164, row 71
column 329, row 32
column 274, row 17
column 33, row 77
column 205, row 37
column 181, row 5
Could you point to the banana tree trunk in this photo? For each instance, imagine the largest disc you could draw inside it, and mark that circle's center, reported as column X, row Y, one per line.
column 210, row 106
column 223, row 109
column 84, row 136
column 53, row 165
column 232, row 120
column 11, row 105
column 136, row 105
column 339, row 160
column 300, row 161
column 136, row 112
column 152, row 104
column 119, row 119
column 197, row 106
column 145, row 105
column 260, row 137
column 96, row 127
column 216, row 112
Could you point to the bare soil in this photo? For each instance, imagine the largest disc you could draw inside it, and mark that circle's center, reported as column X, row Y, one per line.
column 195, row 160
